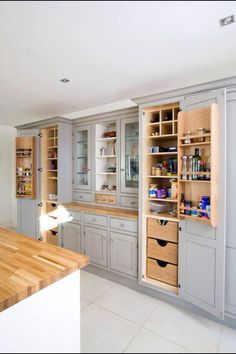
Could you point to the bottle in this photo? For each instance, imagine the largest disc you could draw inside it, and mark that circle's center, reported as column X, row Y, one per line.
column 182, row 204
column 196, row 158
column 190, row 166
column 208, row 168
column 184, row 167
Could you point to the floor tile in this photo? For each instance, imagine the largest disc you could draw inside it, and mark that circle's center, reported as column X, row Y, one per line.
column 105, row 332
column 93, row 286
column 83, row 303
column 128, row 303
column 149, row 342
column 227, row 340
column 185, row 328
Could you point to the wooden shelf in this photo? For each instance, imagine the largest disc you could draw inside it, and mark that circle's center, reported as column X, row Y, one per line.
column 52, row 147
column 162, row 216
column 161, row 137
column 194, row 181
column 174, row 176
column 195, row 218
column 195, row 136
column 196, row 173
column 52, row 158
column 162, row 153
column 107, row 139
column 169, row 200
column 51, row 201
column 106, row 173
column 195, row 144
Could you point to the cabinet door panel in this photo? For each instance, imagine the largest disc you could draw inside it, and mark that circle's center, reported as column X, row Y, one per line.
column 123, row 254
column 96, row 245
column 230, row 280
column 72, row 239
column 28, row 213
column 202, row 249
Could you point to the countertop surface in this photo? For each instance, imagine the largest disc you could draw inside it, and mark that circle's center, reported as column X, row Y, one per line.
column 27, row 266
column 97, row 209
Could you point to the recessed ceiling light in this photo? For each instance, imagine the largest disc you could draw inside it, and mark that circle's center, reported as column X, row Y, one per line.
column 227, row 20
column 65, row 80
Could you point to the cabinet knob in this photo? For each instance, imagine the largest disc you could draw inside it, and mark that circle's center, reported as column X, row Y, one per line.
column 94, row 220
column 111, row 240
column 40, row 169
column 132, row 203
column 122, row 169
column 40, row 205
column 81, row 197
column 122, row 225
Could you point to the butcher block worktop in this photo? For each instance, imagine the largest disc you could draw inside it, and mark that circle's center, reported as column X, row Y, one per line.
column 96, row 209
column 27, row 266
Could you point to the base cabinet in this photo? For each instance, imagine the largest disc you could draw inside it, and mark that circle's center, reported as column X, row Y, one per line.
column 123, row 253
column 96, row 245
column 72, row 239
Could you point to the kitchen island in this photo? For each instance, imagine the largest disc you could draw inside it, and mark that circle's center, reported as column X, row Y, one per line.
column 39, row 296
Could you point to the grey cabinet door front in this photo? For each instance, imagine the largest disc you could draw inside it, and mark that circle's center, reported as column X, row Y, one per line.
column 123, row 253
column 202, row 247
column 72, row 237
column 96, row 245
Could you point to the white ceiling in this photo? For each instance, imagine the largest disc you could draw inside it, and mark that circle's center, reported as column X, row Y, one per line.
column 111, row 51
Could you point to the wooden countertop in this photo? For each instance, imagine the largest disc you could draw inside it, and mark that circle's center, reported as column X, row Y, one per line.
column 97, row 209
column 27, row 266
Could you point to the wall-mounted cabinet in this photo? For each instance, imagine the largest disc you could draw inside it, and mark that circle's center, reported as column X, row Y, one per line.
column 82, row 158
column 25, row 167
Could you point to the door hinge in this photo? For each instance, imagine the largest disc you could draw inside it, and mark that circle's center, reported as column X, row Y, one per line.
column 40, row 135
column 73, row 182
column 179, row 286
column 180, row 228
column 40, row 169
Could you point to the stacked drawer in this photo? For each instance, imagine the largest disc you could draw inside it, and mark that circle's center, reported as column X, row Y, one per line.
column 162, row 251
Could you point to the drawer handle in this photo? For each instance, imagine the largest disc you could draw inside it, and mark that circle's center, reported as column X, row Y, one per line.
column 81, row 197
column 132, row 203
column 162, row 222
column 122, row 225
column 162, row 243
column 94, row 220
column 162, row 264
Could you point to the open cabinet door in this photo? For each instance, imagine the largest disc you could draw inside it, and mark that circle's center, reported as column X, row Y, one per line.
column 202, row 246
column 28, row 210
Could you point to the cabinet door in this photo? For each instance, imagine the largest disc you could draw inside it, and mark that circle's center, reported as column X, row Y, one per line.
column 82, row 158
column 123, row 253
column 71, row 238
column 96, row 245
column 202, row 247
column 129, row 155
column 28, row 211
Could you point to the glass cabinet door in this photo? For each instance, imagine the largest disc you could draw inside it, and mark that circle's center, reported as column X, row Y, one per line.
column 82, row 158
column 129, row 155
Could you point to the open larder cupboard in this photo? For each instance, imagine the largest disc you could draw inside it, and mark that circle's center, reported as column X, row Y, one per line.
column 182, row 245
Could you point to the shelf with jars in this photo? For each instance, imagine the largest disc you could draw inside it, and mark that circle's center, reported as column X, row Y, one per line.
column 25, row 167
column 198, row 165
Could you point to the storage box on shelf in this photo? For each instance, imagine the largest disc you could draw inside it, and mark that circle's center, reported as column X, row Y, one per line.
column 25, row 167
column 106, row 163
column 198, row 165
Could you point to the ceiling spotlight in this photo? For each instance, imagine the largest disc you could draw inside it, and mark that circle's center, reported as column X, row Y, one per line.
column 65, row 80
column 227, row 20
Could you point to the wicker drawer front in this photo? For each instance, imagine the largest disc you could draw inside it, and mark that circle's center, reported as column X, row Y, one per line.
column 162, row 271
column 163, row 250
column 162, row 230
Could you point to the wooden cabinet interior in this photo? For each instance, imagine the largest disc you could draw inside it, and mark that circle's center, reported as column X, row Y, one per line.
column 205, row 183
column 49, row 178
column 25, row 167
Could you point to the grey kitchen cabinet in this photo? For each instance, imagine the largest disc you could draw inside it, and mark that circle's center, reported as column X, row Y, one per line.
column 202, row 247
column 230, row 288
column 72, row 237
column 96, row 245
column 82, row 155
column 129, row 156
column 123, row 253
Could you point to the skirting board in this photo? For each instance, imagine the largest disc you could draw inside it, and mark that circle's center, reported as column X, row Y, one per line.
column 133, row 284
column 7, row 225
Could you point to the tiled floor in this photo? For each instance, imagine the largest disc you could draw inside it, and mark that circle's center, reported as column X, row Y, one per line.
column 115, row 319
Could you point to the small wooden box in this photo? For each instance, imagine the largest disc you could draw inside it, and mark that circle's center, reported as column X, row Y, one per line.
column 162, row 230
column 163, row 250
column 162, row 271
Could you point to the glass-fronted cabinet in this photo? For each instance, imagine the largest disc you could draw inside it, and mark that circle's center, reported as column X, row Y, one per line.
column 82, row 158
column 129, row 155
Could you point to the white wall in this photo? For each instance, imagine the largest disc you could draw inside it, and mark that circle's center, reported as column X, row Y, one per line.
column 7, row 182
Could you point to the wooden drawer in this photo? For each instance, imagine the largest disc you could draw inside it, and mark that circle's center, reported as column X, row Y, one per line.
column 82, row 197
column 75, row 215
column 124, row 225
column 104, row 199
column 163, row 250
column 162, row 271
column 162, row 230
column 95, row 219
column 98, row 198
column 112, row 199
column 129, row 202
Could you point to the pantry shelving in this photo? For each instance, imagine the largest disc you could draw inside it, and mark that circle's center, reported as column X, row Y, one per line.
column 199, row 184
column 25, row 167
